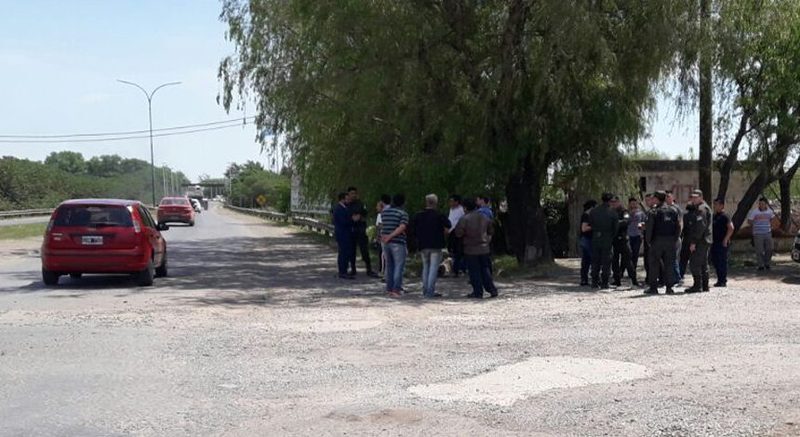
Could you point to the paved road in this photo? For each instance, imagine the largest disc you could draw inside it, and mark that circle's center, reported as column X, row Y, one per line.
column 253, row 335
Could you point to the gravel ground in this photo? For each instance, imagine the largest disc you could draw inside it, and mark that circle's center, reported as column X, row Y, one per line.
column 252, row 334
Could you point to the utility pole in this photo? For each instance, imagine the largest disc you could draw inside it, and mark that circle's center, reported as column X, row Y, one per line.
column 164, row 180
column 706, row 101
column 149, row 97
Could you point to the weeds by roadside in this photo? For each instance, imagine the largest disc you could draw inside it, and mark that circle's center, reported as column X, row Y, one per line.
column 13, row 232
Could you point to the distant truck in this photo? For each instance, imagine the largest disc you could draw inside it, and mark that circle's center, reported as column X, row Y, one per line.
column 196, row 192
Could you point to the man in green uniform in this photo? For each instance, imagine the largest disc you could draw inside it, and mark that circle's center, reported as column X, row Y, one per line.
column 603, row 221
column 699, row 236
column 662, row 231
column 621, row 259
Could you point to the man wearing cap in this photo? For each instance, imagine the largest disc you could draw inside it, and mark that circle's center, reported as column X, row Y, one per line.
column 761, row 223
column 699, row 236
column 721, row 242
column 603, row 221
column 662, row 230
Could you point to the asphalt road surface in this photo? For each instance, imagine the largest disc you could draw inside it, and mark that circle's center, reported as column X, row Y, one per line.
column 252, row 334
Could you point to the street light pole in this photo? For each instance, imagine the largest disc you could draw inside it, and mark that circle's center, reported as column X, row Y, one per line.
column 164, row 177
column 149, row 97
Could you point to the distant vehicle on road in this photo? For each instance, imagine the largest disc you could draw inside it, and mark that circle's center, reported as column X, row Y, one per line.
column 176, row 210
column 196, row 205
column 103, row 236
column 796, row 248
column 196, row 192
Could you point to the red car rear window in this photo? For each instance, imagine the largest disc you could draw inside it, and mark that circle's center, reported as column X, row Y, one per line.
column 93, row 216
column 166, row 202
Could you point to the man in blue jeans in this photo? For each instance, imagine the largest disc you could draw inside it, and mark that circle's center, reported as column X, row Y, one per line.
column 394, row 221
column 430, row 227
column 476, row 231
column 343, row 230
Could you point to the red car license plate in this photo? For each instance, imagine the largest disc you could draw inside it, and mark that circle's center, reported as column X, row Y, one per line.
column 92, row 240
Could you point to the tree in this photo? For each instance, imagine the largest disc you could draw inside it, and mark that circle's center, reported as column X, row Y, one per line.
column 70, row 162
column 444, row 95
column 706, row 98
column 759, row 62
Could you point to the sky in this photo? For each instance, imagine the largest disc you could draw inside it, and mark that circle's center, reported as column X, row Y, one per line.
column 60, row 62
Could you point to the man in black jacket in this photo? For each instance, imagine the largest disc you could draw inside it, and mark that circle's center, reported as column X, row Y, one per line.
column 359, row 237
column 661, row 233
column 699, row 236
column 621, row 259
column 604, row 221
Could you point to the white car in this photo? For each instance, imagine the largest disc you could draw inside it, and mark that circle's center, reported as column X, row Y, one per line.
column 196, row 205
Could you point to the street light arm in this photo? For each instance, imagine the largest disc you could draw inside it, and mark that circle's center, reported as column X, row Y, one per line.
column 136, row 85
column 162, row 86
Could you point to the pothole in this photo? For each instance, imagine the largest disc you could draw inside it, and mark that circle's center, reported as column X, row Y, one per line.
column 508, row 384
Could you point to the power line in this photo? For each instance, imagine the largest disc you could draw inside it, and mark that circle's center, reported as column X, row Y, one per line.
column 96, row 140
column 136, row 132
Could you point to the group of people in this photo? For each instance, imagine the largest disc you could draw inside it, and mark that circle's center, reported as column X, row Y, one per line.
column 612, row 236
column 466, row 232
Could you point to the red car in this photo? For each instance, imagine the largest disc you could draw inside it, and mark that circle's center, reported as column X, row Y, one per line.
column 103, row 236
column 176, row 209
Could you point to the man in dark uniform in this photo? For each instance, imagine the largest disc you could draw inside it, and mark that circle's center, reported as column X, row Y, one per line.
column 585, row 240
column 688, row 222
column 649, row 203
column 699, row 243
column 343, row 231
column 663, row 229
column 603, row 221
column 359, row 240
column 722, row 232
column 621, row 259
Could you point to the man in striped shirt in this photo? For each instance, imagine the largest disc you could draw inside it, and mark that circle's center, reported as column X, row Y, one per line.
column 394, row 221
column 761, row 222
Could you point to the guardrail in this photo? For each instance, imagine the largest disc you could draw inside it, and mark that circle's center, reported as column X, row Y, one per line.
column 25, row 213
column 309, row 223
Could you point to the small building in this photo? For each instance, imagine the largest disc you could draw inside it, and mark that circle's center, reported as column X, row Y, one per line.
column 679, row 176
column 682, row 177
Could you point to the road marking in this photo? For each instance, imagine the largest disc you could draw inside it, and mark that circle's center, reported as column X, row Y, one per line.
column 508, row 384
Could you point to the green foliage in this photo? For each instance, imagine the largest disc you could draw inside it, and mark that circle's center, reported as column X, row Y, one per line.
column 251, row 180
column 446, row 96
column 26, row 184
column 70, row 162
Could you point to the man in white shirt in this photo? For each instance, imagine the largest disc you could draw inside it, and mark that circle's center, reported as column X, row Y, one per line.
column 454, row 244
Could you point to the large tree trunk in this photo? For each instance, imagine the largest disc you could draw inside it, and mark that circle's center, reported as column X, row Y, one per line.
column 527, row 229
column 750, row 196
column 706, row 99
column 786, row 203
column 785, row 182
column 733, row 156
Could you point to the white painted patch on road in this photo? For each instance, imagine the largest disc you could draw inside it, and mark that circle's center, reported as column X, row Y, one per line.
column 508, row 384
